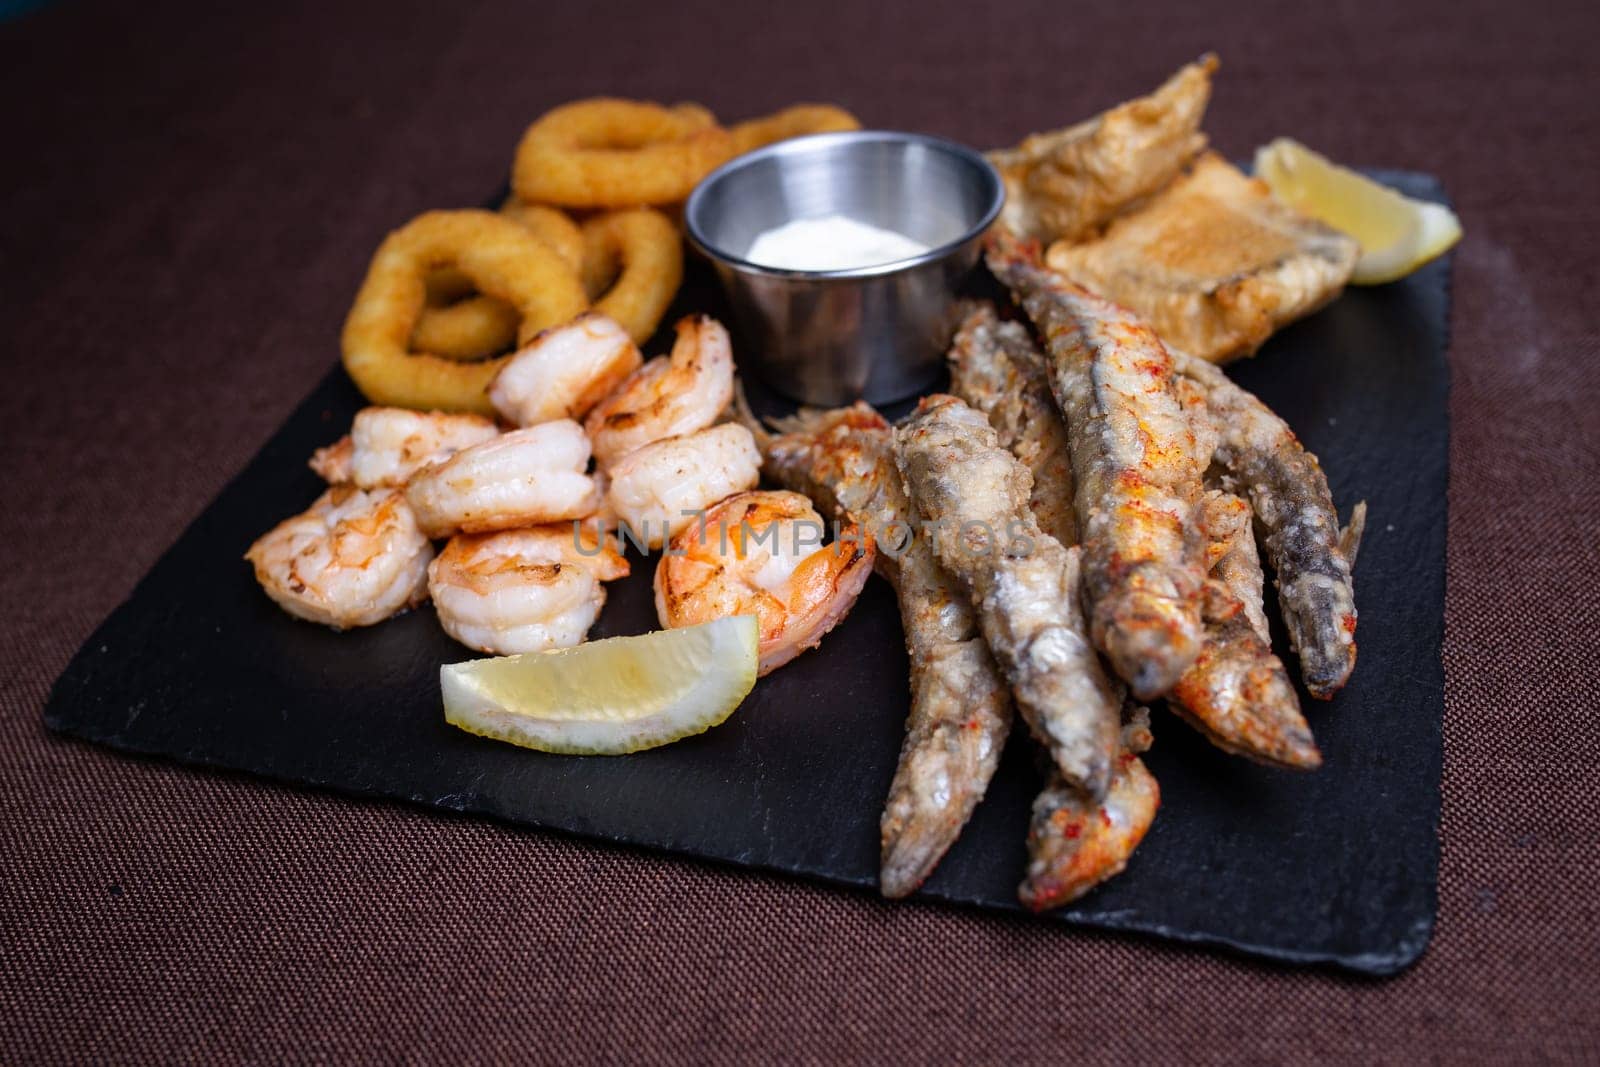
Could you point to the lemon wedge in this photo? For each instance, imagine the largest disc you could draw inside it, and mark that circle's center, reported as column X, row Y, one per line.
column 1397, row 234
column 604, row 698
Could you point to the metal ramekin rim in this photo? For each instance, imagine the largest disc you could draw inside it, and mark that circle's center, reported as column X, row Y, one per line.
column 798, row 145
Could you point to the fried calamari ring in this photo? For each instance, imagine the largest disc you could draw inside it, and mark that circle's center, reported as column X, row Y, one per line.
column 632, row 267
column 458, row 322
column 796, row 121
column 617, row 153
column 467, row 328
column 502, row 259
column 549, row 224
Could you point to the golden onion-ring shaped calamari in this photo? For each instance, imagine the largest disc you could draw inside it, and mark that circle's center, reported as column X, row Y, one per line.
column 796, row 121
column 606, row 152
column 461, row 323
column 502, row 258
column 632, row 267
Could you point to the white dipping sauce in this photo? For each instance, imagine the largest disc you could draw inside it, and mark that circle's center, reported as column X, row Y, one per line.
column 832, row 242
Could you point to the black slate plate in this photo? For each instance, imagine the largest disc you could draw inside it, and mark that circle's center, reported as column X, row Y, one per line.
column 1338, row 867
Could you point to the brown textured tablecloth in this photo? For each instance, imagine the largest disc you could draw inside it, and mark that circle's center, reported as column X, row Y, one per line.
column 189, row 198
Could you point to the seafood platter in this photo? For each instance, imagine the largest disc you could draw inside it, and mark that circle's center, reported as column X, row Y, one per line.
column 1057, row 527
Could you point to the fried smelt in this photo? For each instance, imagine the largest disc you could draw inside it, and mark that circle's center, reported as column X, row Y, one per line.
column 1237, row 692
column 960, row 705
column 1074, row 843
column 997, row 368
column 1137, row 469
column 1310, row 555
column 1021, row 580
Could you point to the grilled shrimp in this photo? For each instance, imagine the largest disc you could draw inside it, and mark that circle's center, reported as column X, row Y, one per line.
column 1074, row 843
column 1021, row 580
column 960, row 705
column 386, row 446
column 1138, row 478
column 522, row 478
column 997, row 368
column 670, row 395
column 657, row 490
column 523, row 590
column 761, row 553
column 1309, row 553
column 354, row 558
column 564, row 371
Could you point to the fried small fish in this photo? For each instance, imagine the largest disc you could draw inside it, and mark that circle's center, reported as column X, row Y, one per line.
column 1311, row 557
column 1022, row 581
column 1231, row 555
column 960, row 705
column 1137, row 469
column 1237, row 692
column 997, row 368
column 1074, row 843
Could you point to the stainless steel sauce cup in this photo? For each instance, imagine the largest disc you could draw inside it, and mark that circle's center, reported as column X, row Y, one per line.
column 834, row 336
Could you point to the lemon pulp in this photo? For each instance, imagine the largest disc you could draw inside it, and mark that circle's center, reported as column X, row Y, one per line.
column 1397, row 234
column 608, row 697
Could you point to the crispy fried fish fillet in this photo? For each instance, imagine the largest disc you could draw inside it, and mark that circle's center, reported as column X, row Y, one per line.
column 997, row 368
column 1066, row 184
column 1075, row 843
column 1021, row 580
column 960, row 706
column 1136, row 466
column 1310, row 555
column 1214, row 262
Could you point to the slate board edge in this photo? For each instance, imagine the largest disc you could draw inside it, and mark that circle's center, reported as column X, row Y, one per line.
column 1369, row 965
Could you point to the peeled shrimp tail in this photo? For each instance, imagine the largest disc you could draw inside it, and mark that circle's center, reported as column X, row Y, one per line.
column 334, row 463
